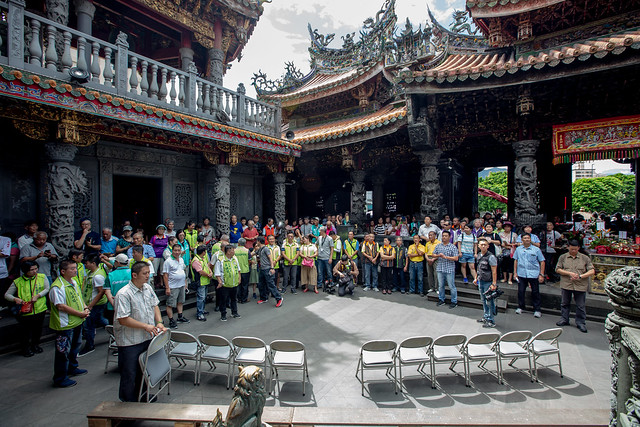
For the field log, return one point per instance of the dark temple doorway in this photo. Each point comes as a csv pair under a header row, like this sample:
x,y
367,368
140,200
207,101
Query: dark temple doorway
x,y
139,200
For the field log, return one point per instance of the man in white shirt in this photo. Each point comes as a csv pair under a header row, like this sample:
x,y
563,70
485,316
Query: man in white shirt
x,y
173,272
425,228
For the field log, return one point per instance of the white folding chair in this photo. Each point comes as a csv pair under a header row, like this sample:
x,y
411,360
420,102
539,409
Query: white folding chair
x,y
185,346
156,369
513,345
447,349
291,355
251,351
480,348
215,348
414,351
112,348
378,355
545,343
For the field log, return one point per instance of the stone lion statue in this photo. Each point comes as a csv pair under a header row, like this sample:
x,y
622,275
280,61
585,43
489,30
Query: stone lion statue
x,y
248,400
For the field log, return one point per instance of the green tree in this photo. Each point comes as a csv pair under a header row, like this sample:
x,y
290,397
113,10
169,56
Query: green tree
x,y
602,194
495,181
627,196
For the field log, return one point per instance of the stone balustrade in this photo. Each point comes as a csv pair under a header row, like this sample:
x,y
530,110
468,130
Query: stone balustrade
x,y
32,43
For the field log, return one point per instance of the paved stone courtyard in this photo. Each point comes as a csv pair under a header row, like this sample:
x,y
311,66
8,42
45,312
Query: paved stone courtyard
x,y
333,329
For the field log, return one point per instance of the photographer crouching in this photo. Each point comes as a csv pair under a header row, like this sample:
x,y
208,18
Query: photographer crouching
x,y
346,273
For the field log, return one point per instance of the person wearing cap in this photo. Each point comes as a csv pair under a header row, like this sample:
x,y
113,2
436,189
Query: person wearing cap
x,y
108,242
116,279
126,241
574,269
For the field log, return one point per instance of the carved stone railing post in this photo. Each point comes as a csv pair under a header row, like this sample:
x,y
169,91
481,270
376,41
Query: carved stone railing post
x,y
623,288
122,64
223,194
63,181
241,104
358,197
431,192
15,33
280,196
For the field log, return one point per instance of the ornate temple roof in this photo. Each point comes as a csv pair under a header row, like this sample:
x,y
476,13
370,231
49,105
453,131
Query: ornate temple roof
x,y
351,126
496,8
460,67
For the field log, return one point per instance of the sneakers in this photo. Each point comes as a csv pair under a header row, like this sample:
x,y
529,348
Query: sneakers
x,y
223,318
279,303
86,350
376,289
440,303
366,288
465,280
262,301
65,383
489,325
173,324
537,314
293,291
402,291
183,319
482,320
201,318
77,372
518,310
453,305
236,316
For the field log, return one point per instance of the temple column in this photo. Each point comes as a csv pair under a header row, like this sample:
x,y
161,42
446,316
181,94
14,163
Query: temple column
x,y
215,55
63,181
358,197
378,196
186,52
525,183
431,192
622,328
280,196
222,196
85,11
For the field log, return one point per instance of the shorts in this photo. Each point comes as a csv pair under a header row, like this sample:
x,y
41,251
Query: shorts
x,y
176,297
467,259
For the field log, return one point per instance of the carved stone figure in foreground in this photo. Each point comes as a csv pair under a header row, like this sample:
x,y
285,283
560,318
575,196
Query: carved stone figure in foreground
x,y
248,401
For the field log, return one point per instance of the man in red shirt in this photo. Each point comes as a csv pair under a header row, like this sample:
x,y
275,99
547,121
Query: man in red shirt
x,y
250,234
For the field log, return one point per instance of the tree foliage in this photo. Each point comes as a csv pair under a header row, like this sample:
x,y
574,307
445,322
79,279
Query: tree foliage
x,y
609,194
495,181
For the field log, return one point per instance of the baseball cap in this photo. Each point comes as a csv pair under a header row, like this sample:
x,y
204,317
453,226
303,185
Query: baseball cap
x,y
122,258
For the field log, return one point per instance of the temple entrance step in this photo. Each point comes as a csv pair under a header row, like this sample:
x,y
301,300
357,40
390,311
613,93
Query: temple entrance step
x,y
466,299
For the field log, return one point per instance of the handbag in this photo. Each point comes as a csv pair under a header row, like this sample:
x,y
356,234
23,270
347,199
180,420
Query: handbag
x,y
307,262
26,307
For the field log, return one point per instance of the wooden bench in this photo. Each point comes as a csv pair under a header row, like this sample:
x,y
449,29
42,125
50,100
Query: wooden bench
x,y
107,414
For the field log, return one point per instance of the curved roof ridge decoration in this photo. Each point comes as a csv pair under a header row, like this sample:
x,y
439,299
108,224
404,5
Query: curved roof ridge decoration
x,y
499,8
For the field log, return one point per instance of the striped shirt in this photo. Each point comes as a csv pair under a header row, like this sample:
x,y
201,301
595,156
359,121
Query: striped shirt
x,y
138,304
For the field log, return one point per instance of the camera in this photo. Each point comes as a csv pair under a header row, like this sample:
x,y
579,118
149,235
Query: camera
x,y
493,294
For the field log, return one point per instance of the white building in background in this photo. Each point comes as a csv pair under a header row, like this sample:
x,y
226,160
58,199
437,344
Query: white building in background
x,y
583,170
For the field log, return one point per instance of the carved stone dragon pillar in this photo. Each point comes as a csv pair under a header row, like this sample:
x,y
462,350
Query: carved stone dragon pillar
x,y
622,327
223,194
431,192
216,65
358,197
525,183
280,196
63,181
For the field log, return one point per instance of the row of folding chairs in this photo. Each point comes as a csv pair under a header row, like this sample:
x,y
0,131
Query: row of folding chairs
x,y
211,349
455,348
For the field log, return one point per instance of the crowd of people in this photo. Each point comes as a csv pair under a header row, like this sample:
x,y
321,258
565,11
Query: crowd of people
x,y
115,280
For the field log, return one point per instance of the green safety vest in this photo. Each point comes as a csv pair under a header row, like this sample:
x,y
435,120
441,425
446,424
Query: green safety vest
x,y
27,288
82,274
350,246
290,252
272,249
230,272
336,255
242,254
118,279
192,239
204,280
73,299
87,289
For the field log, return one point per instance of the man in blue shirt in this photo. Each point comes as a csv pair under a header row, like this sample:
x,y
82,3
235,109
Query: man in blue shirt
x,y
235,230
138,240
528,271
108,242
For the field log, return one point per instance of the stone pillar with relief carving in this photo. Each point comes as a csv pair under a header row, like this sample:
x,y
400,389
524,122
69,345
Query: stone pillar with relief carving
x,y
622,328
216,65
525,183
223,194
63,181
280,196
358,198
431,192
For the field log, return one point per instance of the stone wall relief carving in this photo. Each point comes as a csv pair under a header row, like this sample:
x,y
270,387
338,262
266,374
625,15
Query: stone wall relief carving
x,y
183,200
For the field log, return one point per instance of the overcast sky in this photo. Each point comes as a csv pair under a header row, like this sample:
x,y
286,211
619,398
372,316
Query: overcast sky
x,y
281,35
